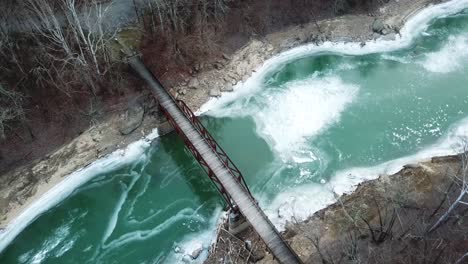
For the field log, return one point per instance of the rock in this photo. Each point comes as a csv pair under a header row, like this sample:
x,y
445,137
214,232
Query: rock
x,y
186,259
268,258
193,83
378,25
362,44
241,68
177,249
201,66
226,57
346,39
322,38
232,75
375,36
132,119
165,128
385,31
218,65
182,91
227,88
391,36
257,256
412,166
248,245
453,158
215,92
101,150
196,250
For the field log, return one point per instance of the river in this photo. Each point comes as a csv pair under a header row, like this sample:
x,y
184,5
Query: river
x,y
312,123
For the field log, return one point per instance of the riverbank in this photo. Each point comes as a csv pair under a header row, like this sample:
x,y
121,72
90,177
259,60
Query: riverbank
x,y
22,187
232,71
386,220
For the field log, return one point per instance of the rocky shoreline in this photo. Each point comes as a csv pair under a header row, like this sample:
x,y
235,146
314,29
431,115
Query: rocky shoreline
x,y
225,74
385,220
21,187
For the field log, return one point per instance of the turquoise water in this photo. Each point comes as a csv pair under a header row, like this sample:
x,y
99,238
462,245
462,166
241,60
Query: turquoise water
x,y
300,134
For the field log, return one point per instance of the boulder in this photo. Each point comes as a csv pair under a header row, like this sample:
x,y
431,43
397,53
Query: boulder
x,y
227,88
218,65
375,36
187,259
412,166
391,36
198,67
341,7
177,249
226,57
248,245
378,25
257,255
196,250
215,92
242,68
232,75
132,119
193,83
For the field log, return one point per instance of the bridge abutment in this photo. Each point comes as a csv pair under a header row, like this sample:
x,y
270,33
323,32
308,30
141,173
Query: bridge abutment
x,y
237,222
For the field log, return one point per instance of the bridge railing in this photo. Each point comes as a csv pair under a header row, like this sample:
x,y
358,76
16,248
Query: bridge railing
x,y
232,168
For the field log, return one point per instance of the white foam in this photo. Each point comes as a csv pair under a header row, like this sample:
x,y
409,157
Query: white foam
x,y
301,111
450,57
403,60
301,202
415,26
189,243
297,204
62,190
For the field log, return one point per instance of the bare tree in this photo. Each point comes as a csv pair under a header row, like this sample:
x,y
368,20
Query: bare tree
x,y
462,258
462,179
11,108
74,41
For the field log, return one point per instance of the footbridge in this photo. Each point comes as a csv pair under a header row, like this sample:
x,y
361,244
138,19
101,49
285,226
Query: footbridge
x,y
216,163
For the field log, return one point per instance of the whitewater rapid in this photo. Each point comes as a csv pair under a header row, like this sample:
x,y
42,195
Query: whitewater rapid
x,y
414,27
283,119
287,139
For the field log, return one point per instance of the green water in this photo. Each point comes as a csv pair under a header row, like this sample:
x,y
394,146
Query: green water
x,y
309,120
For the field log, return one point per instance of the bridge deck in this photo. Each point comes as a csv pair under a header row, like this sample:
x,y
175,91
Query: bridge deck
x,y
238,193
